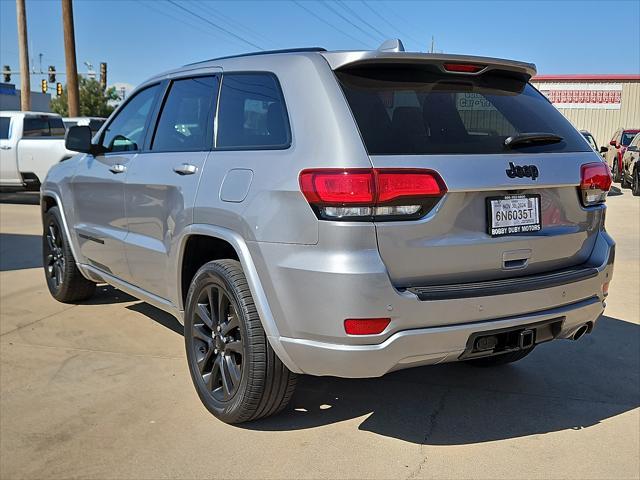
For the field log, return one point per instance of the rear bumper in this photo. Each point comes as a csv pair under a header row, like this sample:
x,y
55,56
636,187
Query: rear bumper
x,y
425,346
311,290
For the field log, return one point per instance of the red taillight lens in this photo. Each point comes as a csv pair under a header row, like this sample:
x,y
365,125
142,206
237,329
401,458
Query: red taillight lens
x,y
365,326
463,67
595,182
329,187
371,194
398,184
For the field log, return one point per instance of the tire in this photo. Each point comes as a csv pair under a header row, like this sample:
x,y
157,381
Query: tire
x,y
235,371
616,171
503,359
624,182
635,181
65,282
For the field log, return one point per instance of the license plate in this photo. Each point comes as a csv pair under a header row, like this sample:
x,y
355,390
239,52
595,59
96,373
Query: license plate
x,y
513,214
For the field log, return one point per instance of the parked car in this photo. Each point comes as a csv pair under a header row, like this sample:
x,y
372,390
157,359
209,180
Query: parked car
x,y
94,123
336,213
591,139
617,146
30,144
631,167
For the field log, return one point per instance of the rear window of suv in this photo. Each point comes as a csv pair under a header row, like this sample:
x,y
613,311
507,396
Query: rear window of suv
x,y
413,110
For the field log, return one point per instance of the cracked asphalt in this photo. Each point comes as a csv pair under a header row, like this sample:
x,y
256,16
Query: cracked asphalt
x,y
101,390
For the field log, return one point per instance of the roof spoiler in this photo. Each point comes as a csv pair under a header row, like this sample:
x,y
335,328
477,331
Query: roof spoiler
x,y
392,51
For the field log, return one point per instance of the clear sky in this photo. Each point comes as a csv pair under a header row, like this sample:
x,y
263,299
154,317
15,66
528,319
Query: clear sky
x,y
138,38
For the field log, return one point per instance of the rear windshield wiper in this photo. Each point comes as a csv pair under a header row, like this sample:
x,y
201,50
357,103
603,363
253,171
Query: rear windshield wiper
x,y
526,139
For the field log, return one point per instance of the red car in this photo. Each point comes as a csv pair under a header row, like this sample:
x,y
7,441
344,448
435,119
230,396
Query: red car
x,y
615,151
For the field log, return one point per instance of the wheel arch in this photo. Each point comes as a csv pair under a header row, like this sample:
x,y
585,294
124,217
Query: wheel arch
x,y
225,238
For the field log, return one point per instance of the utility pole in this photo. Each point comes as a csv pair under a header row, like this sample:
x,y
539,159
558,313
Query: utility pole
x,y
25,80
73,95
433,41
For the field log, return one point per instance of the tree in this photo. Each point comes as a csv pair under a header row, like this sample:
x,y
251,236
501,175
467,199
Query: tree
x,y
94,102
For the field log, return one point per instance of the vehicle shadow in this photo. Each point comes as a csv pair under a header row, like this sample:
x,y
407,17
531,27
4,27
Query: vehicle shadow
x,y
19,251
562,385
615,191
159,316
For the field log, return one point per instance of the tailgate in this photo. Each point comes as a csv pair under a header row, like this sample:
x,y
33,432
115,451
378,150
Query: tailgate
x,y
490,135
452,243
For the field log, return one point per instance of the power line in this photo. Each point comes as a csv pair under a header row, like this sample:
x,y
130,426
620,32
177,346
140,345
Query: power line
x,y
330,8
355,14
231,22
228,32
317,17
166,14
396,29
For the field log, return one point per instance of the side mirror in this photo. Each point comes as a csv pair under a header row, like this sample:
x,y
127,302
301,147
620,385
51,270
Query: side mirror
x,y
604,149
78,139
612,143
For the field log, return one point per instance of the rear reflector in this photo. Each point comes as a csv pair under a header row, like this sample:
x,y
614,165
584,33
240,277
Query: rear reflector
x,y
463,67
365,326
595,182
371,194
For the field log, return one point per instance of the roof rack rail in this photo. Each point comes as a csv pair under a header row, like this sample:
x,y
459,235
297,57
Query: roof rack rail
x,y
263,52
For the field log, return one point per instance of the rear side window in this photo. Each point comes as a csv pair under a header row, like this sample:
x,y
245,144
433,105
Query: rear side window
x,y
252,113
4,127
186,121
43,127
412,110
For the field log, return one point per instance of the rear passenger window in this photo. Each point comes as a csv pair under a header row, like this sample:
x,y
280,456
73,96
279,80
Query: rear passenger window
x,y
252,114
186,121
43,127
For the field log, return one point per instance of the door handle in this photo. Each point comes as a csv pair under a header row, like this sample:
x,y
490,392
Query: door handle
x,y
185,169
117,168
5,147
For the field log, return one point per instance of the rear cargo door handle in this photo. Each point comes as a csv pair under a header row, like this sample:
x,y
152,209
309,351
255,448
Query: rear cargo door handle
x,y
185,169
117,168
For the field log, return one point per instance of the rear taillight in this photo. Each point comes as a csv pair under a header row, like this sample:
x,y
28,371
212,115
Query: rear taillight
x,y
371,194
463,67
595,182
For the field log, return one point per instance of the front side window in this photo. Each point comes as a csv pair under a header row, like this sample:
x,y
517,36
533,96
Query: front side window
x,y
5,122
252,113
126,131
417,110
186,120
43,127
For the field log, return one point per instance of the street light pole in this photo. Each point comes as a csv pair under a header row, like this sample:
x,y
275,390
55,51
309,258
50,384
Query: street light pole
x,y
25,80
73,95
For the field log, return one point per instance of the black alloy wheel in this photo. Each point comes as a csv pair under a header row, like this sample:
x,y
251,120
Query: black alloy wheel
x,y
54,254
217,344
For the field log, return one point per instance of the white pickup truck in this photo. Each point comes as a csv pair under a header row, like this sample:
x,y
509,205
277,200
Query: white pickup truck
x,y
30,144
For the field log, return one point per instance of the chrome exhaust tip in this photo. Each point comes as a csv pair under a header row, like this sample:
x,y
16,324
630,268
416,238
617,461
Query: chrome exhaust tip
x,y
580,332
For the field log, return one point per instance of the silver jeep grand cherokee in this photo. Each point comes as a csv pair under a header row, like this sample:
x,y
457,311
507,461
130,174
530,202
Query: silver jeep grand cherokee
x,y
336,213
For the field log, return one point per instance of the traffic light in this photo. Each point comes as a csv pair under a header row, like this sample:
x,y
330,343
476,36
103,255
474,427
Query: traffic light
x,y
58,89
6,71
44,86
52,74
103,75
